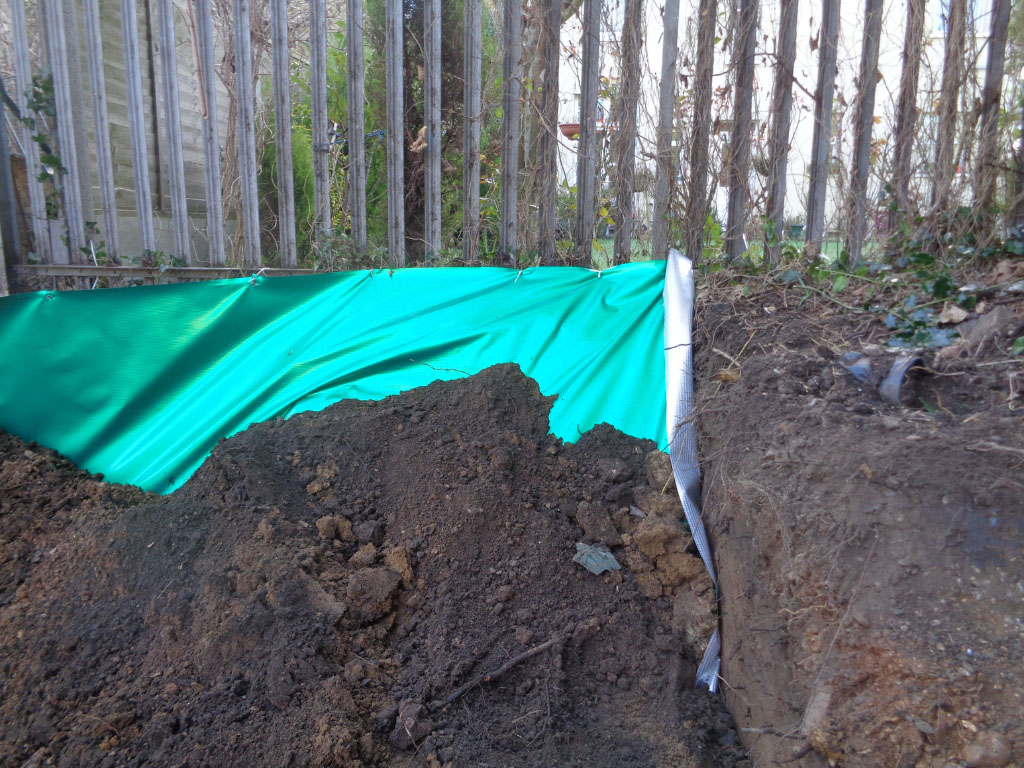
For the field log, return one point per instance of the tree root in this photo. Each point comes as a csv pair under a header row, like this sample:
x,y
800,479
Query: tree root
x,y
495,674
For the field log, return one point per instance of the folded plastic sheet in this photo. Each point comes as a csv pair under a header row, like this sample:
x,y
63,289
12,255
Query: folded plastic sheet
x,y
140,383
679,380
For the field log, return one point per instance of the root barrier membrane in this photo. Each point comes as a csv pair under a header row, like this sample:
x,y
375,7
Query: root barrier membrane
x,y
140,383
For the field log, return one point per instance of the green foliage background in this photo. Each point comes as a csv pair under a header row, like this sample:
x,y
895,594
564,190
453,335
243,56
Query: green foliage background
x,y
335,251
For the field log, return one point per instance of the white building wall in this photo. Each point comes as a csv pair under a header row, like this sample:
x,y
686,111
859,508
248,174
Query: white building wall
x,y
849,49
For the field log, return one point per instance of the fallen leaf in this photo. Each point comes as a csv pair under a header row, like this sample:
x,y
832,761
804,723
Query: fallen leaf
x,y
952,314
1009,269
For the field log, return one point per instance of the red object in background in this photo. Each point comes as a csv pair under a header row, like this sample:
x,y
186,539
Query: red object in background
x,y
570,130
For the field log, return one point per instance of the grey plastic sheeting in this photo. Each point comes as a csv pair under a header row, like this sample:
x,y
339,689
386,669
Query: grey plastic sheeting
x,y
678,301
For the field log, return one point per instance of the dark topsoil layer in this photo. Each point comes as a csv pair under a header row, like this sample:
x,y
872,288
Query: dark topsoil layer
x,y
872,581
322,586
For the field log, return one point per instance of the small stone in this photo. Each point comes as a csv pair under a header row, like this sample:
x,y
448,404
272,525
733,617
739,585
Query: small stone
x,y
326,474
505,593
677,568
584,631
596,523
327,527
321,601
385,719
921,725
659,537
649,585
956,351
524,636
988,326
988,750
265,530
371,531
366,746
952,314
354,671
659,471
400,560
638,563
693,614
345,529
364,557
613,470
338,694
371,590
501,460
412,725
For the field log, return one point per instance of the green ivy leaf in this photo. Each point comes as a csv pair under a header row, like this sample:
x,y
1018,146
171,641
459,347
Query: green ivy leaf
x,y
967,300
788,276
840,283
941,287
53,161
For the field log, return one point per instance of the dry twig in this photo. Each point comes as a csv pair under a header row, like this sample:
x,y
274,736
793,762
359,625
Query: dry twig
x,y
794,734
495,674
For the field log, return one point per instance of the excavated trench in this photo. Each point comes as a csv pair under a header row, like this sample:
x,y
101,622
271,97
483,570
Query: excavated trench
x,y
868,554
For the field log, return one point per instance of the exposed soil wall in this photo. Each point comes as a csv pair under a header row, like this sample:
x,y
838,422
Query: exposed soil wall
x,y
869,554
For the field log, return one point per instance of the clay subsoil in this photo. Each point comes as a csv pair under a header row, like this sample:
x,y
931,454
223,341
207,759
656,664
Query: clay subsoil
x,y
872,583
377,584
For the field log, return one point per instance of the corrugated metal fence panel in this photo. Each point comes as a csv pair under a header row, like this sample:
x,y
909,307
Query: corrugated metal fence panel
x,y
191,118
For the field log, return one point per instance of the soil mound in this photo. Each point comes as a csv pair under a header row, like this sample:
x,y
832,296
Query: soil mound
x,y
377,584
